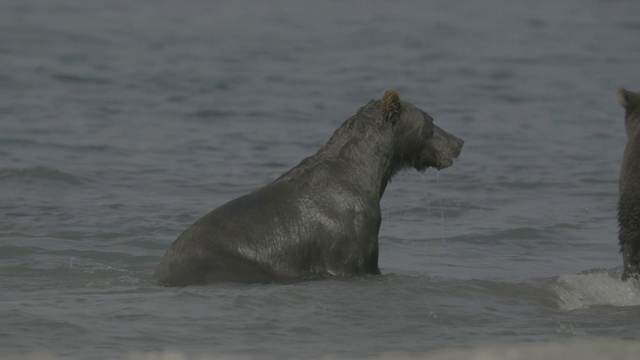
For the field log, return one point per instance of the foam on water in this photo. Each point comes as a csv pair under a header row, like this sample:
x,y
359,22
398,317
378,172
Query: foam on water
x,y
601,349
580,291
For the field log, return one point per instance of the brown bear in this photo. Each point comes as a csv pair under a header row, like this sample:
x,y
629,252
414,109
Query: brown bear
x,y
629,201
320,218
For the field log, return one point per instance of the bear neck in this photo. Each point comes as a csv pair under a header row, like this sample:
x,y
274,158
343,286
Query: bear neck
x,y
362,151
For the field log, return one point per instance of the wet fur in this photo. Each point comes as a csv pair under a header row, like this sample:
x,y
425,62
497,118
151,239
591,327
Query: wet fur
x,y
629,200
322,217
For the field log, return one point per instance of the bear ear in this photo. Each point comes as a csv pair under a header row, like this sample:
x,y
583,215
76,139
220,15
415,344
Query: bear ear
x,y
390,103
628,99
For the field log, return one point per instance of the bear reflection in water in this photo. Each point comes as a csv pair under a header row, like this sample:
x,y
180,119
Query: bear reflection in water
x,y
322,217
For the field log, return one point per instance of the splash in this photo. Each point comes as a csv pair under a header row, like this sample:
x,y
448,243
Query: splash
x,y
580,291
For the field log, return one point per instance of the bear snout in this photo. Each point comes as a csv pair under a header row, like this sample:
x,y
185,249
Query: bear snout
x,y
447,147
447,143
439,153
458,146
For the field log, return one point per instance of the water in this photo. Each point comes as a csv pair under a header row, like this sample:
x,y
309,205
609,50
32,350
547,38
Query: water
x,y
123,122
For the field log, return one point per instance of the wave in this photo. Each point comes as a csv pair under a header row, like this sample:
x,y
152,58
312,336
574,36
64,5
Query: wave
x,y
593,349
40,173
80,79
597,287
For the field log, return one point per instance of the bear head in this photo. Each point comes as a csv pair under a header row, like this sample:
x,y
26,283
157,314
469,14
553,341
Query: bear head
x,y
419,143
630,101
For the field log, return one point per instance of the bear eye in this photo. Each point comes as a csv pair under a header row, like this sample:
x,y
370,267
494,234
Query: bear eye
x,y
427,130
428,119
427,127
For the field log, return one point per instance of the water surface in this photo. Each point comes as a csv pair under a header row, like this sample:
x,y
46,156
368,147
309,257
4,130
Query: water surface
x,y
122,123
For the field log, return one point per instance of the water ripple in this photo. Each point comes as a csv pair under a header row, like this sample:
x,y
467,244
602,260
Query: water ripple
x,y
40,173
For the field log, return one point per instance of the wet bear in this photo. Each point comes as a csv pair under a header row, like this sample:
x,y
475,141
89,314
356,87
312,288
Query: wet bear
x,y
629,201
320,218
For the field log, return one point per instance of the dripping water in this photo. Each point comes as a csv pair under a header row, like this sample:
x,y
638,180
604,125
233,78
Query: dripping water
x,y
424,185
439,202
440,206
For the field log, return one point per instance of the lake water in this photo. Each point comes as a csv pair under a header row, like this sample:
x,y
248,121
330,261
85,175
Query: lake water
x,y
123,122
